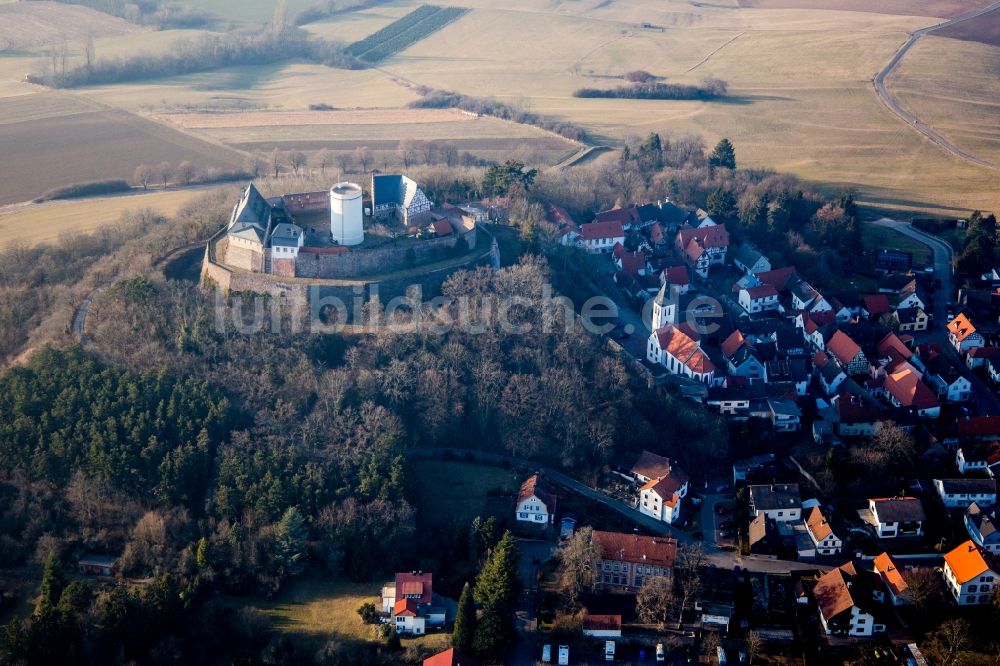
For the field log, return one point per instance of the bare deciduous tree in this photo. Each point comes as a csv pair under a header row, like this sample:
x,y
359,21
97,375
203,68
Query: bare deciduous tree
x,y
297,160
655,600
363,156
142,175
754,643
578,566
323,159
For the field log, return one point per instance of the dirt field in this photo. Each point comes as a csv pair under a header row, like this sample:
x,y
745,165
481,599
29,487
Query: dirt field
x,y
40,223
938,8
985,29
56,140
311,118
28,24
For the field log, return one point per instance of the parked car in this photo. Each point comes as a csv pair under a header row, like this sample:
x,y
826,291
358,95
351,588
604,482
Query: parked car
x,y
661,654
727,525
563,655
547,653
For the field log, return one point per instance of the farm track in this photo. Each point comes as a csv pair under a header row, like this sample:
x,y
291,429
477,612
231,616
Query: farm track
x,y
714,51
893,104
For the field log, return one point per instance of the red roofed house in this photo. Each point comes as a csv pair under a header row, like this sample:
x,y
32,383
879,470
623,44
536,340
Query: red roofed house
x,y
631,263
970,574
703,247
627,560
978,356
875,306
598,237
407,619
846,603
627,217
676,349
535,503
568,230
416,586
410,601
848,353
451,657
891,574
759,299
963,336
905,389
664,486
821,533
779,278
676,277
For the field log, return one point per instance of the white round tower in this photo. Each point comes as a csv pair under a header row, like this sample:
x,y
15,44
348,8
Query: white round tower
x,y
346,216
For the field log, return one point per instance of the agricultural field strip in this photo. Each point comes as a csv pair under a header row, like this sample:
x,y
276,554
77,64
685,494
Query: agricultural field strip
x,y
405,32
306,118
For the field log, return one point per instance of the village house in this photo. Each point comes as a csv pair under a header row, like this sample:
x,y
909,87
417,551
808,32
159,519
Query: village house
x,y
741,358
749,259
906,390
813,325
963,336
627,560
535,502
977,457
629,218
788,371
978,356
784,414
411,603
848,353
897,592
829,372
911,320
856,415
703,247
675,278
598,237
969,575
631,263
847,606
97,565
960,493
780,502
911,296
663,486
949,382
821,533
894,517
759,299
983,528
875,306
567,229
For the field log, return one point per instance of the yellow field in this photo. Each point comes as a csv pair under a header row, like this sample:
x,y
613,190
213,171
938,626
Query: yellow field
x,y
964,108
40,223
352,26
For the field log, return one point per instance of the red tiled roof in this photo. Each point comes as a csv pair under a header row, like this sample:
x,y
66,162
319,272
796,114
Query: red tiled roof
x,y
890,573
676,275
979,426
984,352
841,346
811,321
961,327
778,277
621,547
732,343
651,465
620,215
892,343
817,524
853,409
598,230
442,227
907,388
415,584
632,262
405,607
876,305
682,346
833,595
533,486
712,236
451,657
966,562
764,291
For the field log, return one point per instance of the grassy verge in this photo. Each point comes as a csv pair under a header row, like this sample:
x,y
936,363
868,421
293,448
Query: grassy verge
x,y
881,238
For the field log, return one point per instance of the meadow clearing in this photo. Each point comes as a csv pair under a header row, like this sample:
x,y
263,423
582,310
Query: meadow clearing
x,y
42,223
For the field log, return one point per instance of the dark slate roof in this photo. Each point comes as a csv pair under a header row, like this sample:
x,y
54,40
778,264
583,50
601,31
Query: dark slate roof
x,y
388,188
899,509
775,496
982,521
286,235
968,486
251,216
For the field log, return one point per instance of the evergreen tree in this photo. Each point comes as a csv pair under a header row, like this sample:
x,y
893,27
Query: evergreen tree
x,y
724,155
464,633
290,542
496,591
51,588
720,202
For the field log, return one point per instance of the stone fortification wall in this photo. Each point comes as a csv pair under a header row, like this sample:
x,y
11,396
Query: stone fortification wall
x,y
371,263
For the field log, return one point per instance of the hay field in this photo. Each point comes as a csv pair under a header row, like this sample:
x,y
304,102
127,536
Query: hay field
x,y
30,24
247,11
379,130
800,85
57,139
939,8
351,26
47,222
964,108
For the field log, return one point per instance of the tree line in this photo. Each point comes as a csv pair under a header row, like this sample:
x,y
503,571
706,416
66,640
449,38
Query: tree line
x,y
709,89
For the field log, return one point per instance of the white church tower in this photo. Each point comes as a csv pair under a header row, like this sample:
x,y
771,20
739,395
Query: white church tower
x,y
346,214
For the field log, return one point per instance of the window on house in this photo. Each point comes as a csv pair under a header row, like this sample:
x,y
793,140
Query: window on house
x,y
973,588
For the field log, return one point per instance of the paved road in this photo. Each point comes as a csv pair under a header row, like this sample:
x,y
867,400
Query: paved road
x,y
909,118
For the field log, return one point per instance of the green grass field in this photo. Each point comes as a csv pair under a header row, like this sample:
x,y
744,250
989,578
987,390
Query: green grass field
x,y
879,238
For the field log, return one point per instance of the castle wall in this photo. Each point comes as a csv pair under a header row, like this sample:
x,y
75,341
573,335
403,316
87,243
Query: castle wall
x,y
242,257
369,263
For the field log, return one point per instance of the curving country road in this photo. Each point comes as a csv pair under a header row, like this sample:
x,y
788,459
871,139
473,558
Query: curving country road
x,y
909,118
